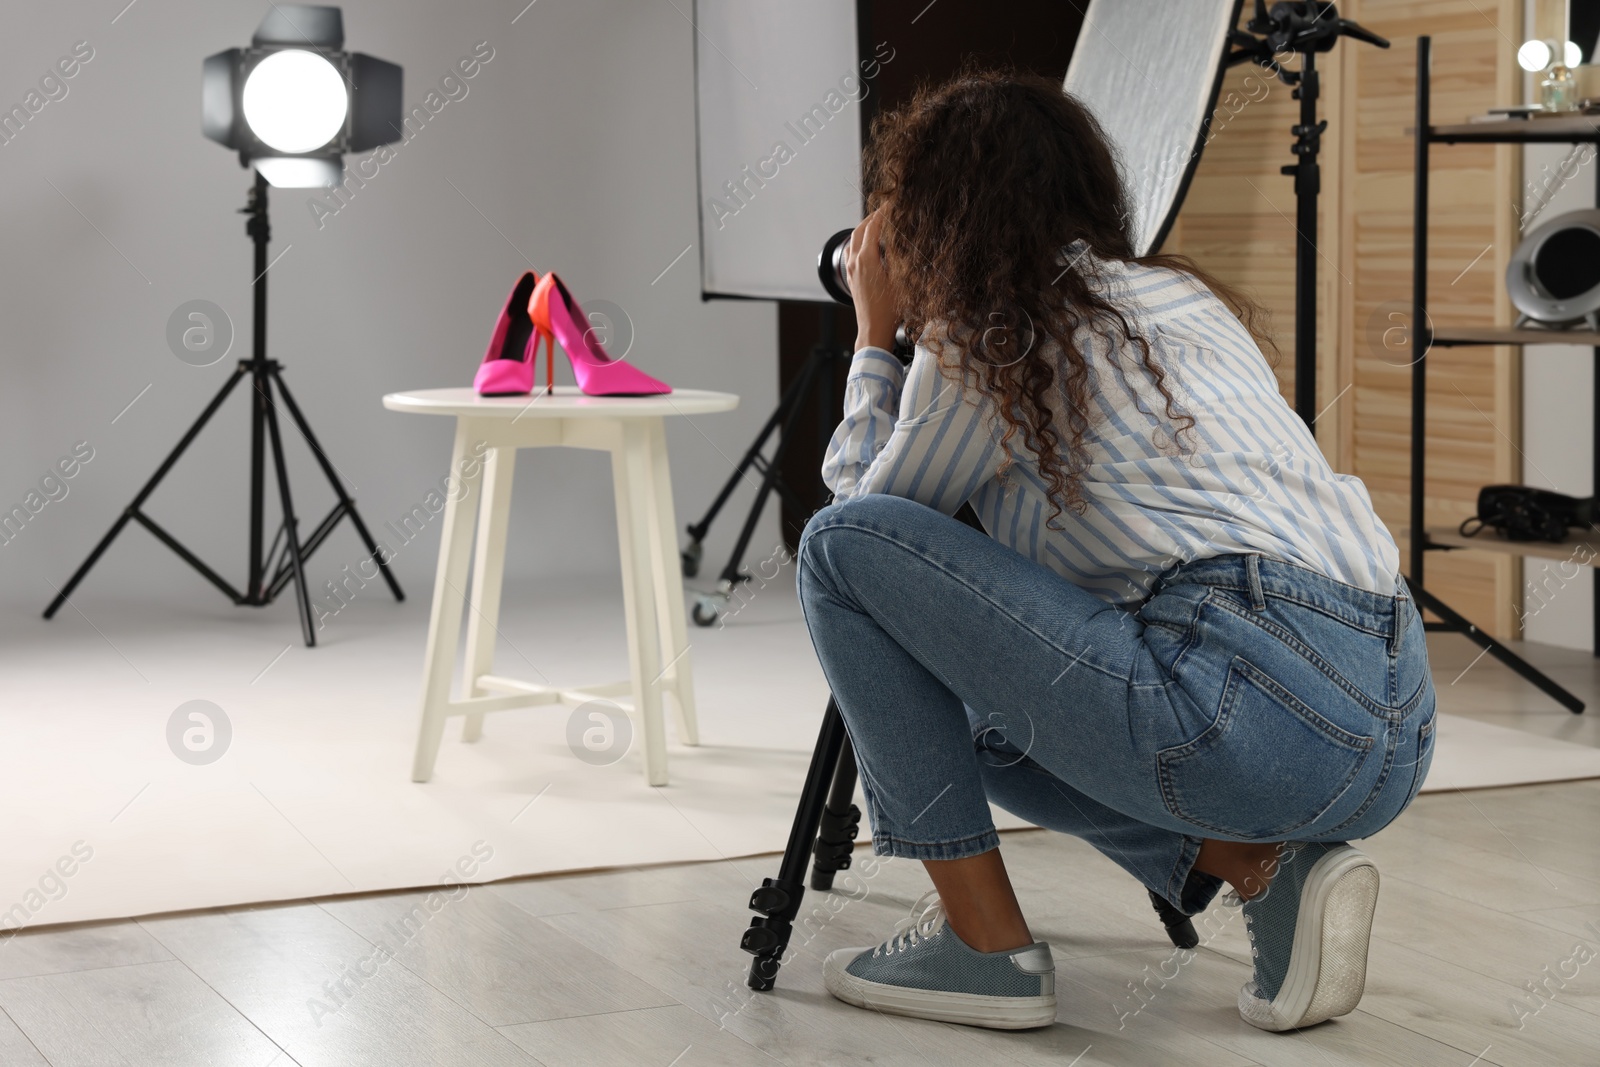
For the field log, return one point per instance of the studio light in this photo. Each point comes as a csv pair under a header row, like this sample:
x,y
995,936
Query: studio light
x,y
294,102
291,105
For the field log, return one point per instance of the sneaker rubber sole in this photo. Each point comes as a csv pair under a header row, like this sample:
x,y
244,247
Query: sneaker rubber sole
x,y
969,1009
1328,962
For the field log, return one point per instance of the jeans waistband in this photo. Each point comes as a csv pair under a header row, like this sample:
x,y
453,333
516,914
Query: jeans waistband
x,y
1358,607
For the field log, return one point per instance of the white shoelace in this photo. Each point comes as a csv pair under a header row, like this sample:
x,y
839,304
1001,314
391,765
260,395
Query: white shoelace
x,y
924,921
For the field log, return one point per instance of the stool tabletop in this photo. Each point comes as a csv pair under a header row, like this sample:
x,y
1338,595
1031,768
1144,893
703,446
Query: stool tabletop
x,y
566,403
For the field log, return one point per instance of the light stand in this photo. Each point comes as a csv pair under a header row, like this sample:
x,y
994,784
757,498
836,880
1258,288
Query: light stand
x,y
814,380
1306,28
291,105
260,590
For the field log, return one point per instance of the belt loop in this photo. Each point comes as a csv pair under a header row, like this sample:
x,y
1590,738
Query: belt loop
x,y
1397,627
1252,571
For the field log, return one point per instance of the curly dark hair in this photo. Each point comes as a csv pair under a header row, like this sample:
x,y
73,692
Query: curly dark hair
x,y
984,181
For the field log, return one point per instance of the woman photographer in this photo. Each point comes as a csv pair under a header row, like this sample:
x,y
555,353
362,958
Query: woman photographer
x,y
1184,638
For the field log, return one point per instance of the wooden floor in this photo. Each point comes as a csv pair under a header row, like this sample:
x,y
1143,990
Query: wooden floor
x,y
1485,895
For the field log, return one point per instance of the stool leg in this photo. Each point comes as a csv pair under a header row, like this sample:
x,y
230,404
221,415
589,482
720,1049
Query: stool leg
x,y
488,568
631,477
444,627
668,571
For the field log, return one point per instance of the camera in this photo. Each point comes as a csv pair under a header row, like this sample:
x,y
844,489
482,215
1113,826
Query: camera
x,y
836,282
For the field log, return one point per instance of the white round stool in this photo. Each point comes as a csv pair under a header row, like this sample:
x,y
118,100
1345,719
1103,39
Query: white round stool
x,y
489,430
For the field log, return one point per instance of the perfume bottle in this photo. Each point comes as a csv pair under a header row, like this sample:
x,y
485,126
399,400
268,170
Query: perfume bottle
x,y
1559,89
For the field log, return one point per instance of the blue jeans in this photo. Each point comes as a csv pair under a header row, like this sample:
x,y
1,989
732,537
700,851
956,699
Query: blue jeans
x,y
1246,700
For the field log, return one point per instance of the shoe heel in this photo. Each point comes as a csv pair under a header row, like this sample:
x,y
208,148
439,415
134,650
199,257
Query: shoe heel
x,y
557,315
1346,941
549,341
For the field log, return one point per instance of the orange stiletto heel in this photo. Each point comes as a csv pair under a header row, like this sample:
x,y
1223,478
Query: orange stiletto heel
x,y
557,317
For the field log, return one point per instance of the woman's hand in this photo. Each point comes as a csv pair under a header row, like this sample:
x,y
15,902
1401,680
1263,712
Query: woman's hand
x,y
876,315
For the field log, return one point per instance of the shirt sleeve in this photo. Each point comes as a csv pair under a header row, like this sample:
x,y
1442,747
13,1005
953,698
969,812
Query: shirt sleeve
x,y
911,432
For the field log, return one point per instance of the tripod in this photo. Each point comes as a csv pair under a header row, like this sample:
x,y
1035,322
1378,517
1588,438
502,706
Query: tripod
x,y
266,579
823,834
1305,28
815,379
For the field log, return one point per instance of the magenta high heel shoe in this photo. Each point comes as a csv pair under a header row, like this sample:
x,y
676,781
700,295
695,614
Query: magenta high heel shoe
x,y
557,316
513,354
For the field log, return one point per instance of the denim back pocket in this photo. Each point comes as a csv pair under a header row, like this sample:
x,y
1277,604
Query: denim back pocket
x,y
1266,766
1424,758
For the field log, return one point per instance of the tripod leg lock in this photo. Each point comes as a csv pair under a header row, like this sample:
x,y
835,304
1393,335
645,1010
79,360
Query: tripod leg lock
x,y
836,839
778,903
773,898
766,937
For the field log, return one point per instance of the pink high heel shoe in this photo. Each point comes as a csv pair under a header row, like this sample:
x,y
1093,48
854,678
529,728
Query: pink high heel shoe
x,y
513,354
557,317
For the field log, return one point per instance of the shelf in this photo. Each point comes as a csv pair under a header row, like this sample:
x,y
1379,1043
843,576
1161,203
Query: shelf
x,y
1580,550
1572,130
1450,336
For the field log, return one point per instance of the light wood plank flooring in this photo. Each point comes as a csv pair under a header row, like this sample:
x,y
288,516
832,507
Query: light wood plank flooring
x,y
1484,896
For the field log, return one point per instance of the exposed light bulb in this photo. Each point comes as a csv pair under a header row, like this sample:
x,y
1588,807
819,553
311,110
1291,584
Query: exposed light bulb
x,y
295,101
1535,56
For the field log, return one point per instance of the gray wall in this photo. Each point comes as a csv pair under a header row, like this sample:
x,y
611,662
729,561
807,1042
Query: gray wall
x,y
576,142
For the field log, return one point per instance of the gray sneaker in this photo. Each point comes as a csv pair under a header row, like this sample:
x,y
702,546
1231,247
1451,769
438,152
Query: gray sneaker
x,y
1309,934
926,971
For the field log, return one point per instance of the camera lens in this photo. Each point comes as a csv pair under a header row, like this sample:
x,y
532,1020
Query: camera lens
x,y
831,270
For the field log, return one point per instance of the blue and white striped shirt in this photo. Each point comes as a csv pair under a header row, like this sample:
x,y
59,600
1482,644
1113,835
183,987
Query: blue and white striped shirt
x,y
1249,477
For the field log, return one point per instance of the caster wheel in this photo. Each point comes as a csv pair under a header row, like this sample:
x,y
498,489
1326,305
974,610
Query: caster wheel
x,y
691,559
705,611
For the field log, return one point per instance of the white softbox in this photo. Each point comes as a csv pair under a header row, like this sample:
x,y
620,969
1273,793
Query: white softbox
x,y
778,86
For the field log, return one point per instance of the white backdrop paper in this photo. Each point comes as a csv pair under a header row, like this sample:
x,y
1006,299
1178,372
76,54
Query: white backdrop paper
x,y
778,86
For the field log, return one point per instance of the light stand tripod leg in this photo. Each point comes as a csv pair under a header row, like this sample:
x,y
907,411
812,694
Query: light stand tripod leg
x,y
771,471
149,487
788,403
698,530
813,380
291,534
1458,623
778,899
349,505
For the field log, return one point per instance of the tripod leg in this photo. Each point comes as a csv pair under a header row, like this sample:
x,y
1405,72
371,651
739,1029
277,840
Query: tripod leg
x,y
781,416
1459,623
1180,928
149,487
772,472
836,836
338,485
731,574
800,507
777,902
291,535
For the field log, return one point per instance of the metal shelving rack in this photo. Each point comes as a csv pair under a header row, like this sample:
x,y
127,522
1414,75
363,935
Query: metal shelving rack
x,y
1574,130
